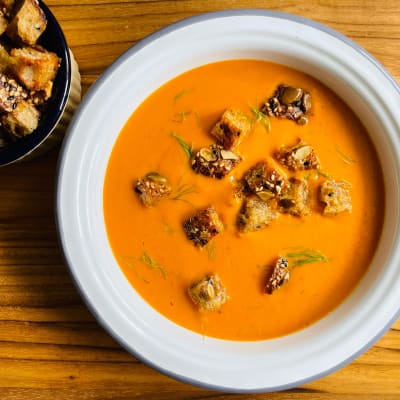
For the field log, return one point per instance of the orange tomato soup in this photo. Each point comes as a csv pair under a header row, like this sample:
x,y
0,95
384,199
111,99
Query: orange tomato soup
x,y
190,105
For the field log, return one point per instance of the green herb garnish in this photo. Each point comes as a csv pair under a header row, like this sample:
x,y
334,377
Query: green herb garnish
x,y
301,256
211,250
183,190
262,118
182,93
324,174
187,149
180,117
145,258
345,158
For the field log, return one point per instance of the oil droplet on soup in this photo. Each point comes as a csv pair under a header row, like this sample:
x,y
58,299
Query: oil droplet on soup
x,y
329,253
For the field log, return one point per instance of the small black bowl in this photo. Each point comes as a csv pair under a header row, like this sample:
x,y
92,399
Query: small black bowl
x,y
46,135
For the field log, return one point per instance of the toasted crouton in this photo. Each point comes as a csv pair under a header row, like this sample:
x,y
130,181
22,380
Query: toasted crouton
x,y
22,121
34,67
201,227
280,274
28,22
231,128
3,22
11,93
208,294
294,200
336,196
152,188
255,214
299,157
5,59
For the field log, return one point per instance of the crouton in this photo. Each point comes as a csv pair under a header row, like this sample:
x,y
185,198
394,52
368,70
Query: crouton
x,y
203,226
336,196
214,161
28,22
6,7
264,180
255,214
35,67
152,188
11,93
300,157
22,121
5,59
280,274
3,23
208,294
231,128
289,102
294,200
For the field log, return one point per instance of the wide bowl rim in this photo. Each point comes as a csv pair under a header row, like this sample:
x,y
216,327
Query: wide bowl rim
x,y
25,146
92,92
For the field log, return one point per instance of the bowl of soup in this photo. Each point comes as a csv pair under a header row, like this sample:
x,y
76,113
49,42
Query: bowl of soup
x,y
228,200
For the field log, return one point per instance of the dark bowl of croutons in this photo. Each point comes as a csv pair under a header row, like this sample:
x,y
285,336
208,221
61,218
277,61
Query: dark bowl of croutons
x,y
39,80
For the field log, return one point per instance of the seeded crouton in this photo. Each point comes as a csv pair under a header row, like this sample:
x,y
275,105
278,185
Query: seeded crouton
x,y
208,294
336,196
35,67
255,214
298,158
294,200
11,93
214,161
28,22
289,102
231,128
6,7
280,274
22,121
265,180
203,226
152,188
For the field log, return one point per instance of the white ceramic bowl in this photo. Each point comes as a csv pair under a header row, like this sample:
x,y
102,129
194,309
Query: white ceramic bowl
x,y
220,364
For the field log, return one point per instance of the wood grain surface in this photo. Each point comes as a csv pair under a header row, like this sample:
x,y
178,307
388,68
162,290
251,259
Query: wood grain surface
x,y
50,345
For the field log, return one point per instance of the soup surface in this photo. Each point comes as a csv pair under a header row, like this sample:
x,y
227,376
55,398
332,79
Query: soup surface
x,y
150,243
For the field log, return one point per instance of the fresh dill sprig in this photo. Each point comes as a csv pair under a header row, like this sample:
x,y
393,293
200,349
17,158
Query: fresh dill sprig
x,y
211,250
262,118
188,149
323,174
345,158
182,93
302,255
180,117
183,190
145,258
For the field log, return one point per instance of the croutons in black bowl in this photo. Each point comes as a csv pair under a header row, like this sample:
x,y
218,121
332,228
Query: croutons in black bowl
x,y
39,80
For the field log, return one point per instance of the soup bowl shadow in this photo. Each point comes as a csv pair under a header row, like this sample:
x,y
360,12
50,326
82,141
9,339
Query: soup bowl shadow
x,y
257,366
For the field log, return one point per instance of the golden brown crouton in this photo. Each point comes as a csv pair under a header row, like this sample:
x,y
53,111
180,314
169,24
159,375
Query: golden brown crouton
x,y
5,59
294,200
255,214
152,188
11,93
22,121
231,128
214,161
203,226
289,102
298,158
280,274
35,67
28,22
264,180
208,294
336,196
3,23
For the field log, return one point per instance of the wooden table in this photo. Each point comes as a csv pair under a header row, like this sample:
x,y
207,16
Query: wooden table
x,y
50,345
